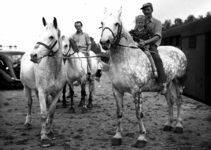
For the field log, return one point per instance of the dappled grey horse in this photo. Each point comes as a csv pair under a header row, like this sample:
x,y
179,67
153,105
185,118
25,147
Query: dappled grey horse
x,y
131,71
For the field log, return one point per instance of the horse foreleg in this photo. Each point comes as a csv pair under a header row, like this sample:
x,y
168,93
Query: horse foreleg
x,y
71,109
27,92
45,141
91,90
51,113
141,141
170,101
83,98
117,139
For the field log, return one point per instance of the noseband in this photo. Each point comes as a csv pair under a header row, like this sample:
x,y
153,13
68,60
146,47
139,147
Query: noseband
x,y
50,48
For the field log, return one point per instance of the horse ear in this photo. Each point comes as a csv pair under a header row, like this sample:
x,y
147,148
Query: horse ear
x,y
63,37
106,10
120,12
73,45
44,22
55,22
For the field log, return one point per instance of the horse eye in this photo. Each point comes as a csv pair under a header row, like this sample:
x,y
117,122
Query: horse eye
x,y
51,37
65,46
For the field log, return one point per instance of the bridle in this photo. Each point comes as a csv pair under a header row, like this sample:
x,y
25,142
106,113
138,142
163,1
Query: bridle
x,y
67,55
50,48
118,37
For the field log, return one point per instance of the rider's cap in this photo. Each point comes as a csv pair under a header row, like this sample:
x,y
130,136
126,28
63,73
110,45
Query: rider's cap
x,y
146,5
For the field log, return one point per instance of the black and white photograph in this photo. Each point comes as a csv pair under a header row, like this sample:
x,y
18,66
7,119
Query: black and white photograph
x,y
105,75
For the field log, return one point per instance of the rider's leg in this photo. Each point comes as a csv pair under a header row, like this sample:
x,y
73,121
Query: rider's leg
x,y
154,69
159,66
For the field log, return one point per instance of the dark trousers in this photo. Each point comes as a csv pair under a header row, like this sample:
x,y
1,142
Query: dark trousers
x,y
158,63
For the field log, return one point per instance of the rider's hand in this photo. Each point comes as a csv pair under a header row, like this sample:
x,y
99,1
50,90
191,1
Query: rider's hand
x,y
141,43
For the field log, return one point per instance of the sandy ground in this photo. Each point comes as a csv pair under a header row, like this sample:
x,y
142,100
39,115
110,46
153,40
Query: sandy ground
x,y
95,129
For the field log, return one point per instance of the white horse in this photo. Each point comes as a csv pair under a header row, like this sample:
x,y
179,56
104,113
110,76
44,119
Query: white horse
x,y
76,70
43,71
131,72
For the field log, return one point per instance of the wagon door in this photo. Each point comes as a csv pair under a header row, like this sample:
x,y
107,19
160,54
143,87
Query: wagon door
x,y
208,67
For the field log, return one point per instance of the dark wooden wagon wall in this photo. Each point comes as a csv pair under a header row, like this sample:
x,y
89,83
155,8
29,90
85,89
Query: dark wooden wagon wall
x,y
194,39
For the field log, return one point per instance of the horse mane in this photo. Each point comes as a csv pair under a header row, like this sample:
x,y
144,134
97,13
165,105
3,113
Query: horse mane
x,y
126,34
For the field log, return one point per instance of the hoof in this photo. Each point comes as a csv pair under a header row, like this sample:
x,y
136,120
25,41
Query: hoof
x,y
178,130
45,143
28,126
71,110
167,128
51,135
84,110
140,144
116,142
80,104
90,105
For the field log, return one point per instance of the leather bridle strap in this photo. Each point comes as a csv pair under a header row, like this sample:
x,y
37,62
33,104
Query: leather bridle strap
x,y
52,53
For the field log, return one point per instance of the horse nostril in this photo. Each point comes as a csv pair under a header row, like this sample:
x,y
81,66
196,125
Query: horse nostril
x,y
33,56
108,41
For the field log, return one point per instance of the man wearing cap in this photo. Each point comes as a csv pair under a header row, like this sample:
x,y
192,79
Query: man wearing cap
x,y
154,42
83,42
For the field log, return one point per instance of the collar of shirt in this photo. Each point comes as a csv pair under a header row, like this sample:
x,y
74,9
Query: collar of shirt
x,y
79,33
150,20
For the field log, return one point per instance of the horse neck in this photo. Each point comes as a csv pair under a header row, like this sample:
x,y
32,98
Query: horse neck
x,y
121,53
55,63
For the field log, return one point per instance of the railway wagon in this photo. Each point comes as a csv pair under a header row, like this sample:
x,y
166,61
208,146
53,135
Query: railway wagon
x,y
194,39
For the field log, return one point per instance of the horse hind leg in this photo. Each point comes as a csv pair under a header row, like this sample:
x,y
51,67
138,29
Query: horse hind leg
x,y
117,139
71,109
179,90
27,92
170,102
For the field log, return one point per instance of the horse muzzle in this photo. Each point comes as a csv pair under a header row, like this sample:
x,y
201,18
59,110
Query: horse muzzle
x,y
34,58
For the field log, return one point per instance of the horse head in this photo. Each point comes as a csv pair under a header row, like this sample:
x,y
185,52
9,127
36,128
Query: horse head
x,y
49,42
111,29
68,47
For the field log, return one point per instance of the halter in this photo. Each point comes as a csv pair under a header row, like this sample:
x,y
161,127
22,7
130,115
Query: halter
x,y
52,53
118,37
68,54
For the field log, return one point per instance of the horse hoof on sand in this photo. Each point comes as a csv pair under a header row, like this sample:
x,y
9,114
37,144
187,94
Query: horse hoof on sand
x,y
140,144
89,105
178,130
71,110
167,128
51,135
45,143
28,126
116,142
84,110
